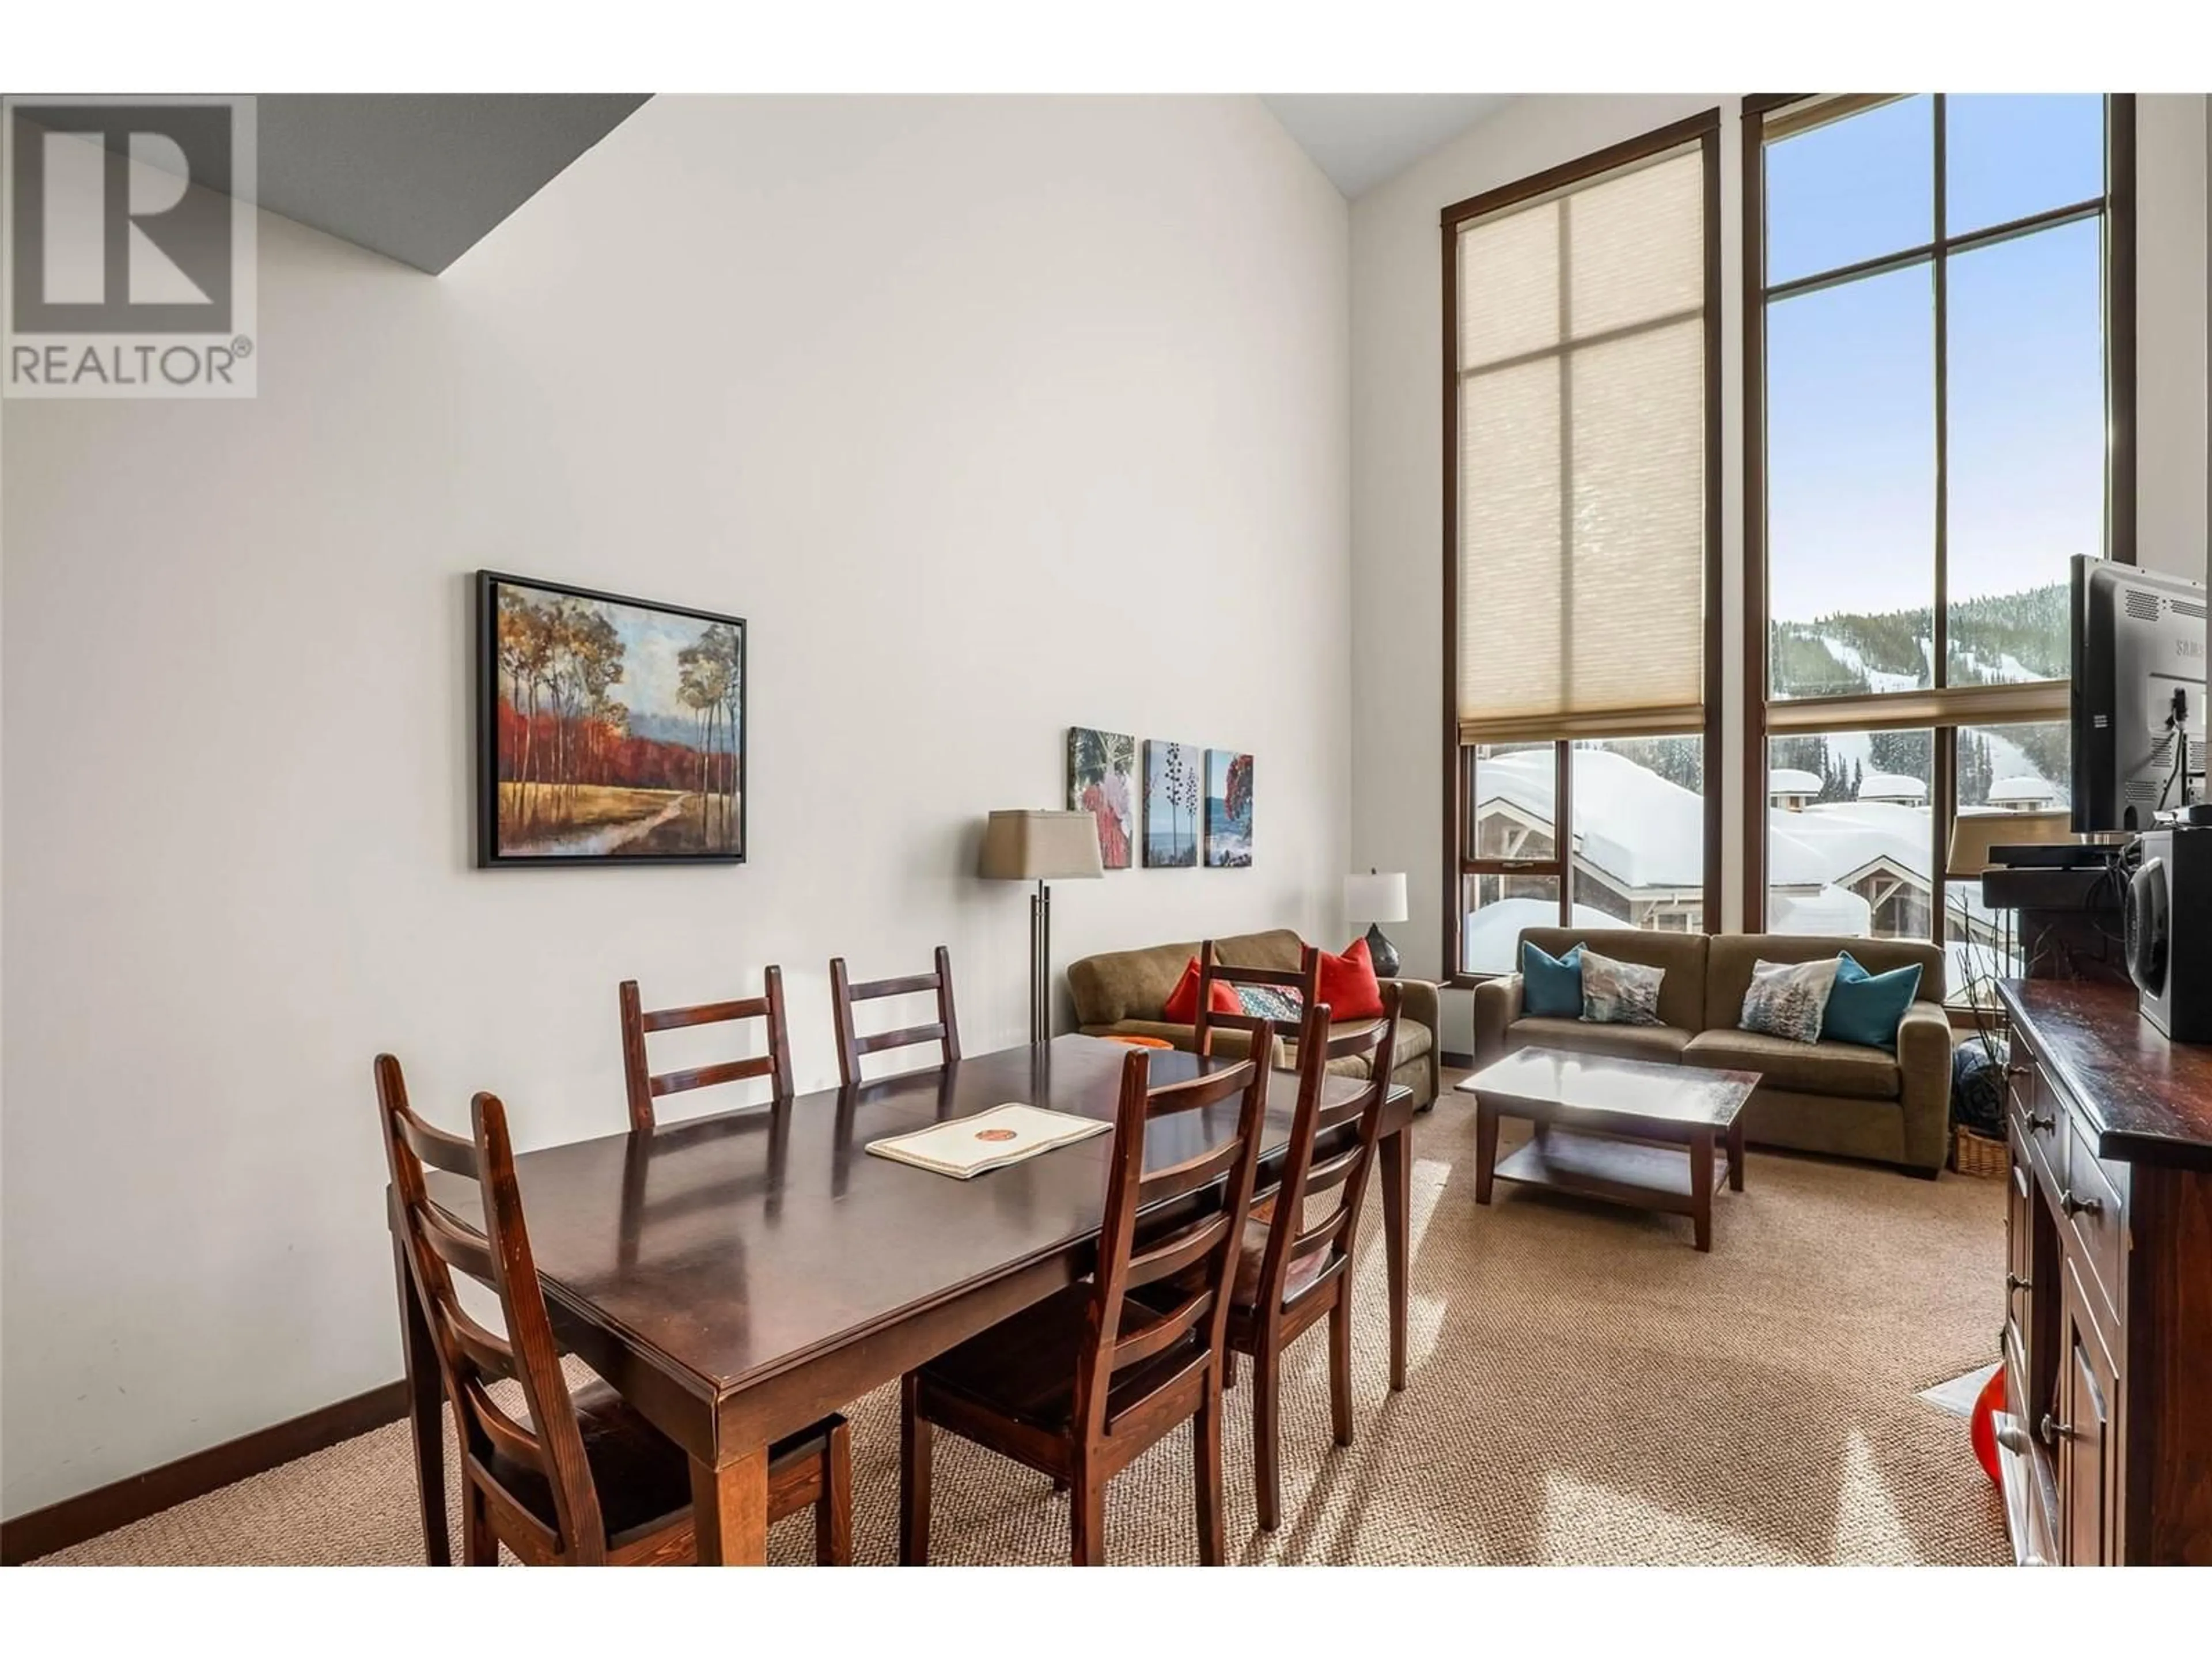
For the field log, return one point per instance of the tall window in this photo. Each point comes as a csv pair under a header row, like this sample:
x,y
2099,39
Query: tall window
x,y
1939,374
1582,519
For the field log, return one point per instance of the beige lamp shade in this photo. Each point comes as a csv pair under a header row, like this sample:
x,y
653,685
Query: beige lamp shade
x,y
1972,834
1373,897
1040,847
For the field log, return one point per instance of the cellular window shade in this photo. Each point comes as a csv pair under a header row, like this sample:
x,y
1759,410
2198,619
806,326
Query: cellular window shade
x,y
1582,460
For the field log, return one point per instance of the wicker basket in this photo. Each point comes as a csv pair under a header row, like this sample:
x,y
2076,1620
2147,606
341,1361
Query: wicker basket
x,y
1978,1154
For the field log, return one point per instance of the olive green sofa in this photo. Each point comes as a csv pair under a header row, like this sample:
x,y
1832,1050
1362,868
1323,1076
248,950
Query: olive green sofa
x,y
1836,1097
1122,994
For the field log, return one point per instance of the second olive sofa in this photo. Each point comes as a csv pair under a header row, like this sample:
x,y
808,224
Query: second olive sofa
x,y
1826,1096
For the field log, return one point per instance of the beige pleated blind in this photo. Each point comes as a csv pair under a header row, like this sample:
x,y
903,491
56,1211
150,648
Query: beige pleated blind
x,y
1582,459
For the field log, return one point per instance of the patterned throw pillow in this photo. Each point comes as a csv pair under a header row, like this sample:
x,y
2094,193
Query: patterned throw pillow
x,y
1619,992
1279,1003
1789,999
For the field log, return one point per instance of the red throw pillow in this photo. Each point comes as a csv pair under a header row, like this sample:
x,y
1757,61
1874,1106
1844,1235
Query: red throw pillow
x,y
1348,984
1182,1006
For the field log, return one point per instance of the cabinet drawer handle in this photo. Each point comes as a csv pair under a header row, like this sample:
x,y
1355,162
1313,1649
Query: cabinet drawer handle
x,y
2074,1206
2041,1125
2015,1284
2052,1430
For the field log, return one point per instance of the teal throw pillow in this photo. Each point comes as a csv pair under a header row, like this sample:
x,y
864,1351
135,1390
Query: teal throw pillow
x,y
1867,1008
1551,987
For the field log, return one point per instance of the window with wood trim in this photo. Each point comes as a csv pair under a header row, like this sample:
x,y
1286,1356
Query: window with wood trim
x,y
1939,388
1582,519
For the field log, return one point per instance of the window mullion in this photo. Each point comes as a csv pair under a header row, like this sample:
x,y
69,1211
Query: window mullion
x,y
1940,667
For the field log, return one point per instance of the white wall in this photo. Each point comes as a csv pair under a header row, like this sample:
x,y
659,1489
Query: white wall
x,y
1397,466
991,416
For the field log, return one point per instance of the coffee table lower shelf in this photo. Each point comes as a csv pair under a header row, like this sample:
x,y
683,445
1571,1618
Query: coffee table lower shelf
x,y
1631,1172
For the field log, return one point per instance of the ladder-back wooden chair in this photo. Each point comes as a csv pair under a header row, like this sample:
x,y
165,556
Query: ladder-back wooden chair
x,y
852,1047
1302,984
583,1479
1292,1269
637,1021
1078,1385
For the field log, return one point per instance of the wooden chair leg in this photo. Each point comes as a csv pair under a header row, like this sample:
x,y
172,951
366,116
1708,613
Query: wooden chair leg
x,y
1267,1461
913,1478
1339,1366
1205,1440
1229,1367
479,1543
1086,1519
833,1511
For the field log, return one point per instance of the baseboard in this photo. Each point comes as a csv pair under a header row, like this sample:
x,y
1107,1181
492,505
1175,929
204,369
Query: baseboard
x,y
89,1514
1464,1062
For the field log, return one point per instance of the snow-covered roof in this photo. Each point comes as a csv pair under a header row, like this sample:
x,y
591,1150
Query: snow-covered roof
x,y
1890,786
1829,841
1789,780
2021,791
1493,931
1831,910
1638,828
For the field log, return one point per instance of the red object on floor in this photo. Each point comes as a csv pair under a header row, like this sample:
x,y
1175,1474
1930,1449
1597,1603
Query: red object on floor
x,y
1984,1430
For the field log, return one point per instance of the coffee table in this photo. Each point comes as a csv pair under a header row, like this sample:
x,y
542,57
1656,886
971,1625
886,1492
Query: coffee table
x,y
1633,1132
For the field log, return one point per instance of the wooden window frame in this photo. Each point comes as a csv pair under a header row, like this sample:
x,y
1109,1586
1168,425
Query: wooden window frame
x,y
1704,131
1944,708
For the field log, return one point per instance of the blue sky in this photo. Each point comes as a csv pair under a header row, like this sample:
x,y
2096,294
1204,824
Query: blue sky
x,y
1850,377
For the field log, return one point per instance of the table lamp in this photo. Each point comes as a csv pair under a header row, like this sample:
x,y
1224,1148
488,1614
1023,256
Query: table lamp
x,y
1042,848
1380,898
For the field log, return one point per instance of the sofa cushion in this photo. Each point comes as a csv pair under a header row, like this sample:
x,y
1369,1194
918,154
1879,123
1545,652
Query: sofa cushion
x,y
1788,998
1728,972
1681,993
1551,987
1348,985
1811,1068
1867,1008
1414,1041
1135,984
1660,1042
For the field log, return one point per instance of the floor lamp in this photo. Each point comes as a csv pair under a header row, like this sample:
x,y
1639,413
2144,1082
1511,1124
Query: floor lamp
x,y
1042,848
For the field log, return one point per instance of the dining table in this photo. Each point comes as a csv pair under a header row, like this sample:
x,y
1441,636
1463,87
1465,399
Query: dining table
x,y
736,1277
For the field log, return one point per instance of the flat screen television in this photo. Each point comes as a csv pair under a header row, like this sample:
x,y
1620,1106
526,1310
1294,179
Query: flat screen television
x,y
2138,697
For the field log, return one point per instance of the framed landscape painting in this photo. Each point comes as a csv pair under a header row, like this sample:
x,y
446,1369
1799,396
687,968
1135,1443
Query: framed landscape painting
x,y
1228,809
1172,804
1102,770
609,730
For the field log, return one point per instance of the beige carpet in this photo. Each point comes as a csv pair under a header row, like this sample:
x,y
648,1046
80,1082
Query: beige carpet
x,y
1585,1387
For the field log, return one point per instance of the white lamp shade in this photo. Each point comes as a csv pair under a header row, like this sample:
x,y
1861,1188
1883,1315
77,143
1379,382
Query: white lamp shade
x,y
1040,847
1373,897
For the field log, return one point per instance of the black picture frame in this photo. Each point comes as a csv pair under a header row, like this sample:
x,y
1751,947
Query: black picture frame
x,y
485,676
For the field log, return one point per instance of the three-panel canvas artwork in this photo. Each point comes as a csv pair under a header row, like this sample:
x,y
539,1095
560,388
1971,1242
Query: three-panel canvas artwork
x,y
1197,803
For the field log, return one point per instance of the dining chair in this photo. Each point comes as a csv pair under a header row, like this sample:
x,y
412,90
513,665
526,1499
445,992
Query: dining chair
x,y
1302,982
585,1480
645,1088
1293,1267
1079,1384
945,1030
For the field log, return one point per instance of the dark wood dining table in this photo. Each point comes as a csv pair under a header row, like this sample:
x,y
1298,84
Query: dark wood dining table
x,y
736,1277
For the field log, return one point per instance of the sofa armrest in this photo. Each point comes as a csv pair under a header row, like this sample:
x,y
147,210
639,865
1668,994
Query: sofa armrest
x,y
1496,1005
1228,1043
1418,1002
1924,1064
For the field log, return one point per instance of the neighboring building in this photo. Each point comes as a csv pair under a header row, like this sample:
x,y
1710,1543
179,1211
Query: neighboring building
x,y
1791,789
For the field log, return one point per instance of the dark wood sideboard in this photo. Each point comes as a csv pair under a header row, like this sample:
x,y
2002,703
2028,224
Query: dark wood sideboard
x,y
2106,1447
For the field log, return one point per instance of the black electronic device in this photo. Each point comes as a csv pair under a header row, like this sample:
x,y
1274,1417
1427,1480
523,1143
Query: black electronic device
x,y
2138,695
2168,931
